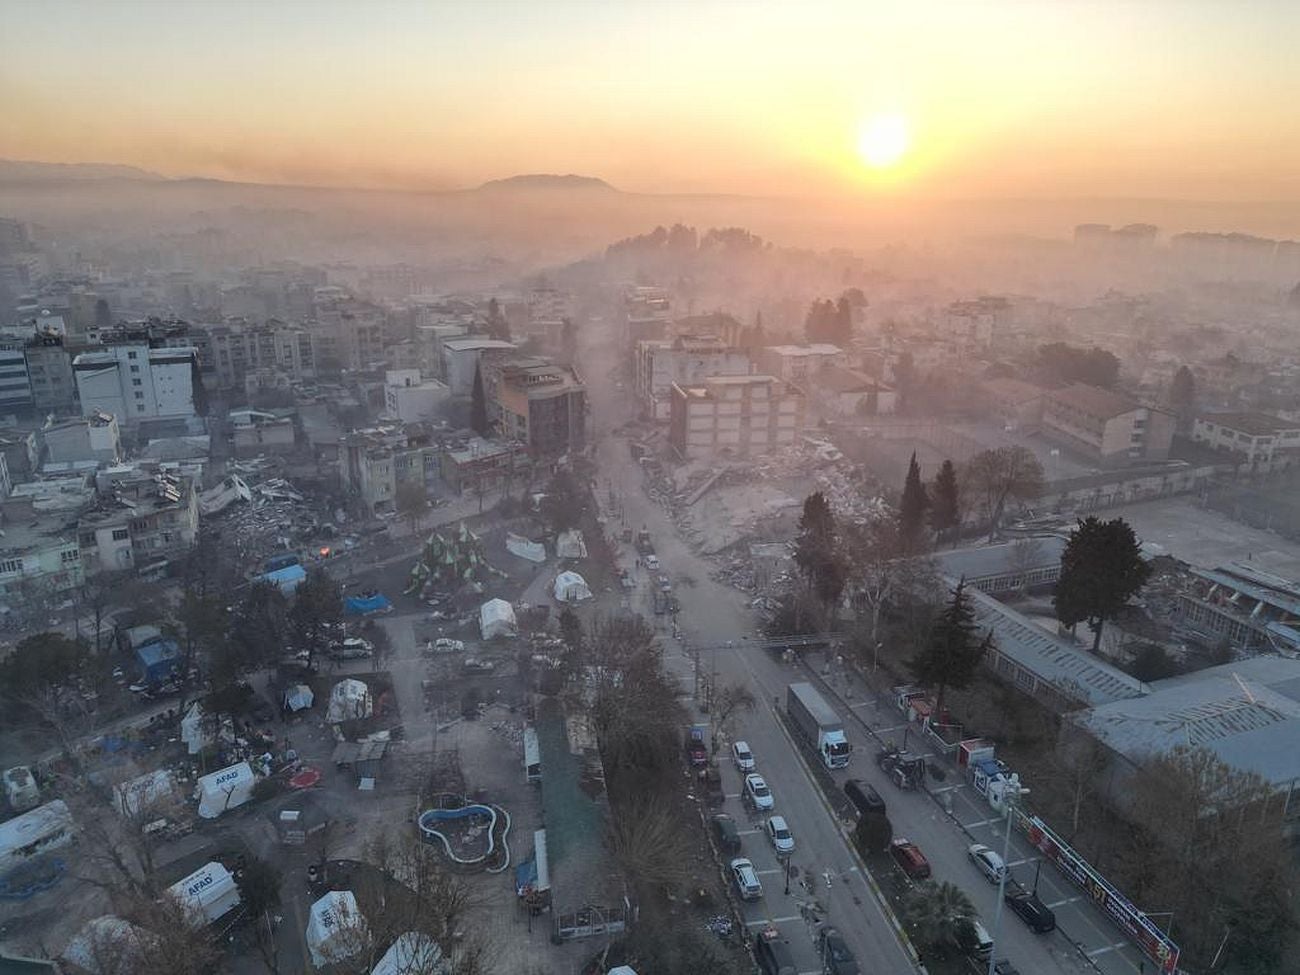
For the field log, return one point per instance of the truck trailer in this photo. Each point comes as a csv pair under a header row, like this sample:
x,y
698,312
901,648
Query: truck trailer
x,y
818,723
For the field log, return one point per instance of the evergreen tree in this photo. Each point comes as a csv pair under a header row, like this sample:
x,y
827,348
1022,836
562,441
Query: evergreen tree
x,y
478,418
816,551
497,326
945,500
953,652
1101,569
911,510
1182,395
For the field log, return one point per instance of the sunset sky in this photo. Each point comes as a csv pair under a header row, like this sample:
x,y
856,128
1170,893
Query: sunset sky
x,y
1151,99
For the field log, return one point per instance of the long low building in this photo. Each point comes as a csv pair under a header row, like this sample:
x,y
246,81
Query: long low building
x,y
1255,611
1006,568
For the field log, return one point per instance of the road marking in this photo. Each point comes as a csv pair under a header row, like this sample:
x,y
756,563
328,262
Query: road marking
x,y
946,788
982,822
1101,951
733,795
767,873
763,922
814,971
1020,863
745,832
897,727
1068,900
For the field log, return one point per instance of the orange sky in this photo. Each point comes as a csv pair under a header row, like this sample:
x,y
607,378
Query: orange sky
x,y
1185,99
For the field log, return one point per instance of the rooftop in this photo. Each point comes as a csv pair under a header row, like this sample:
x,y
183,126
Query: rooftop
x,y
837,379
475,343
994,560
1246,712
540,377
816,348
1015,390
1252,424
1094,400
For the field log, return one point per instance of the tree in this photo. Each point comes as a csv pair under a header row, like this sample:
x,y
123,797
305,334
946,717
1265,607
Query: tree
x,y
953,653
478,417
1152,662
725,706
816,551
945,500
316,614
497,326
563,502
373,632
937,917
828,321
1101,569
412,503
1070,364
1182,394
569,340
1004,474
257,631
912,508
648,843
873,556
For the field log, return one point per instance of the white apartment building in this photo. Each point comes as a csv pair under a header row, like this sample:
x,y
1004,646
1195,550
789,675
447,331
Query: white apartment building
x,y
409,398
743,415
1263,442
1106,427
686,361
460,358
797,363
135,382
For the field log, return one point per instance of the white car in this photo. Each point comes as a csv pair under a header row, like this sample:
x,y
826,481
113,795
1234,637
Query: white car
x,y
757,792
353,648
746,879
445,645
652,561
779,833
988,862
742,756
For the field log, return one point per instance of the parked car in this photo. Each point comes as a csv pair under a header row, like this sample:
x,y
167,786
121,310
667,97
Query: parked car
x,y
779,833
652,562
982,945
746,879
864,797
444,645
757,794
909,858
987,861
742,756
477,665
836,957
1031,910
353,648
774,958
724,827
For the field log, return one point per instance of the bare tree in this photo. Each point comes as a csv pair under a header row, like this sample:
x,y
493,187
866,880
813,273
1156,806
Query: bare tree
x,y
1026,555
648,843
725,706
1000,475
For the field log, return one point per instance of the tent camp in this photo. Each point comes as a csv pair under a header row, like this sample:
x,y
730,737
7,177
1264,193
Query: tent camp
x,y
412,954
336,929
145,793
571,588
525,548
349,700
496,618
570,545
288,578
46,827
206,894
376,602
298,697
225,789
106,945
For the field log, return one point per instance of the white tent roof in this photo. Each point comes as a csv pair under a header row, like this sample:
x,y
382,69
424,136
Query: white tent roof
x,y
142,794
193,730
226,789
298,697
50,824
525,548
412,954
206,894
336,930
571,588
497,619
349,699
106,941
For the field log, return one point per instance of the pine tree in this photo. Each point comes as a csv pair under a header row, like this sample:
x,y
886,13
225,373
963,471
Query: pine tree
x,y
1101,569
945,500
911,510
953,652
816,551
478,418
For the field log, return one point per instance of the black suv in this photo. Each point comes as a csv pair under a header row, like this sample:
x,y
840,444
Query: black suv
x,y
1032,911
774,957
835,954
862,795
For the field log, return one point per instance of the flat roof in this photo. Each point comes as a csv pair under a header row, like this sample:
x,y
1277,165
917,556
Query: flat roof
x,y
815,348
1094,400
984,561
1254,424
476,344
1014,389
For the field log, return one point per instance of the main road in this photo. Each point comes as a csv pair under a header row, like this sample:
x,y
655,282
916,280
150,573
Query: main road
x,y
714,615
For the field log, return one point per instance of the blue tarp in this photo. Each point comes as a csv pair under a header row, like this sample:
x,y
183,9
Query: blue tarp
x,y
159,660
366,605
288,578
277,562
525,877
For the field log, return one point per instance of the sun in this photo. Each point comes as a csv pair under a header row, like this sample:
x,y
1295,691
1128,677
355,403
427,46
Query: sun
x,y
883,141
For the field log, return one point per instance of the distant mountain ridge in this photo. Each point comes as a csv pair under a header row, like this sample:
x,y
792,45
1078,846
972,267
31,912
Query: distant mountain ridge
x,y
43,171
548,181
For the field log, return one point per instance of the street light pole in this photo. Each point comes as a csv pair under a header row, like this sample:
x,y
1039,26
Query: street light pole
x,y
785,863
1009,799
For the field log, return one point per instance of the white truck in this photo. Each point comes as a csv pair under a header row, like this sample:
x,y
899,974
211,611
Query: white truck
x,y
818,723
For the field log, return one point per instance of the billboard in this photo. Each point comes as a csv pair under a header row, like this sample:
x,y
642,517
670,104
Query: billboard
x,y
1153,942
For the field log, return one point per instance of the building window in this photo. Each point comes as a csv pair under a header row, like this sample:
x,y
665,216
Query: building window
x,y
11,565
70,555
121,534
139,394
131,355
137,382
139,407
135,368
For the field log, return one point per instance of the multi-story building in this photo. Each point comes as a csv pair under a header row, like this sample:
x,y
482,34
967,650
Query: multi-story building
x,y
147,517
38,556
797,363
135,382
429,339
15,384
355,330
410,399
743,415
685,360
484,465
970,327
86,438
1105,427
49,370
462,356
1264,443
539,403
649,312
376,462
256,432
848,392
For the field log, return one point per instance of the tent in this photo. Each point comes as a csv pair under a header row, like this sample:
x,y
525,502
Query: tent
x,y
496,618
298,697
158,660
195,731
366,605
288,578
569,545
412,954
107,939
336,930
140,795
525,548
224,790
23,837
206,894
350,699
571,588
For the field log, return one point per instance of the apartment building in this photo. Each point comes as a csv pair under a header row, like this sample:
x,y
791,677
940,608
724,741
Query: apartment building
x,y
84,438
484,465
685,360
15,384
1106,427
135,382
1262,442
648,312
462,356
742,415
847,392
1018,404
145,518
38,556
797,363
49,372
410,399
538,403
